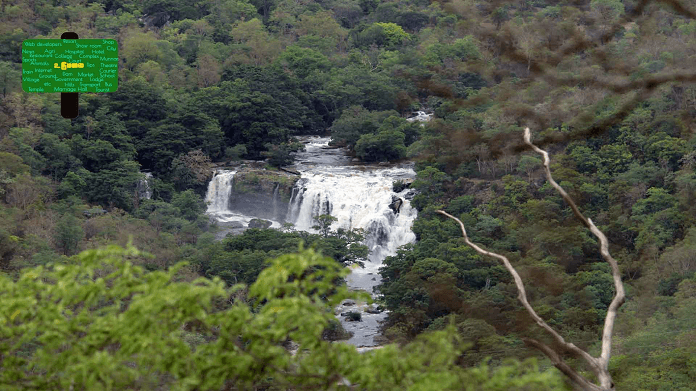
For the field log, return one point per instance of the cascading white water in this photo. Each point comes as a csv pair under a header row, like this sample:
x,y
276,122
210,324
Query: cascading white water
x,y
219,190
143,187
275,199
358,196
358,200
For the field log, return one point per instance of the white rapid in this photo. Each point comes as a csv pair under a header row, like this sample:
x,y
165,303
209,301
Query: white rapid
x,y
359,197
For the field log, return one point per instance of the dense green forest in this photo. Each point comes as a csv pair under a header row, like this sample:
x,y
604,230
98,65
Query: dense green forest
x,y
604,85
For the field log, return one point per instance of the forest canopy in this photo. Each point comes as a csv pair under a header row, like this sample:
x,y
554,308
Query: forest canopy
x,y
605,85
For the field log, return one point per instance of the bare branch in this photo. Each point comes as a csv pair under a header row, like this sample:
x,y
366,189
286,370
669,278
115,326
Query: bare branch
x,y
522,296
598,365
619,296
558,362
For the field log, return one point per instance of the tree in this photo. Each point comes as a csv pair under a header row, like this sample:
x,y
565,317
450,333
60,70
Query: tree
x,y
252,34
71,185
324,224
187,129
193,169
209,71
163,11
138,48
607,12
322,24
151,71
12,164
236,152
189,203
303,61
68,234
224,13
25,190
113,185
9,78
80,337
354,122
598,365
281,155
387,35
528,164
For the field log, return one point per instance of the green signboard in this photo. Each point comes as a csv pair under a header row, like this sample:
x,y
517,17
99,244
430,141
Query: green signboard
x,y
69,65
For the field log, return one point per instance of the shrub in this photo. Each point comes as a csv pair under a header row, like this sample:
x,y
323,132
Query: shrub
x,y
236,152
385,145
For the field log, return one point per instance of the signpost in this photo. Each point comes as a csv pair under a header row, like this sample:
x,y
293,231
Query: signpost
x,y
69,66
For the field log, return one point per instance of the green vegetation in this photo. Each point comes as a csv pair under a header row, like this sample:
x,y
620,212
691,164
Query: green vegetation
x,y
241,258
99,333
238,79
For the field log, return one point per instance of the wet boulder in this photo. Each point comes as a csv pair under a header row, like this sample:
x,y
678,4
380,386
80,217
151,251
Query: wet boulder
x,y
396,204
259,223
354,317
373,309
410,194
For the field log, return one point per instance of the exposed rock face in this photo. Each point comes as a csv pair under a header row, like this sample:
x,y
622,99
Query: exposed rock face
x,y
262,193
411,193
396,204
230,224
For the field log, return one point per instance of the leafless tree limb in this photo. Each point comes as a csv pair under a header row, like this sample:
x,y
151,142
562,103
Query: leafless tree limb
x,y
599,365
619,296
558,362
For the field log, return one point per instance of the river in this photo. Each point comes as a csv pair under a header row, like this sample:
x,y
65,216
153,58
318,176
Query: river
x,y
359,196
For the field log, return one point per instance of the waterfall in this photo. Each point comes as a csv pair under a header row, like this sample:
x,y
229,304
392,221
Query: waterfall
x,y
143,187
357,200
359,197
219,191
275,201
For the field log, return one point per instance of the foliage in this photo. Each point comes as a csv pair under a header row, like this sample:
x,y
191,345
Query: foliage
x,y
84,336
236,152
68,234
191,170
241,258
324,224
237,79
355,122
281,155
383,145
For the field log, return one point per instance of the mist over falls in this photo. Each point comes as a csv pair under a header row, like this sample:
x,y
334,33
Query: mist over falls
x,y
358,196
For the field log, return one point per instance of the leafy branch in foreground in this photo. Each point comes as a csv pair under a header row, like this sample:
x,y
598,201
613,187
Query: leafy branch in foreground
x,y
599,365
102,323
